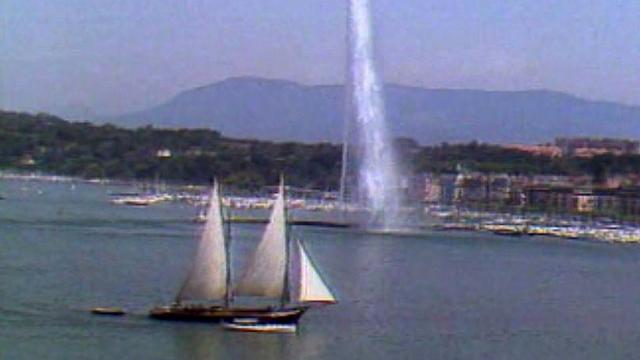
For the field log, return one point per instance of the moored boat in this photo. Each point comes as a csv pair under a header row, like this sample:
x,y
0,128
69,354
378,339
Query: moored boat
x,y
506,229
141,200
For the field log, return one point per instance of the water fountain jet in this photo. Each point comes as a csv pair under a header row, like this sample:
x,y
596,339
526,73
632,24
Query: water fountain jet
x,y
368,158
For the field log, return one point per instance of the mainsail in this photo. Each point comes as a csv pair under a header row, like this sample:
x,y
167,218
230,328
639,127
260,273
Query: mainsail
x,y
311,287
208,277
266,271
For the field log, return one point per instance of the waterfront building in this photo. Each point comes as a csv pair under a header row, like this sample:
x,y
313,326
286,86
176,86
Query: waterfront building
x,y
588,147
618,196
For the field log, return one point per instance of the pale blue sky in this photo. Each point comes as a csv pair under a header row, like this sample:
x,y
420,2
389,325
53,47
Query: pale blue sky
x,y
119,55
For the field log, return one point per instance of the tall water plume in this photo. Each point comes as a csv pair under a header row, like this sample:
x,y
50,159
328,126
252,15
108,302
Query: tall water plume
x,y
368,157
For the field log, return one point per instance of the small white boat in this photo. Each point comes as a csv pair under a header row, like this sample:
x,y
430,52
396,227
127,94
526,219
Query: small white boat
x,y
141,200
111,311
248,326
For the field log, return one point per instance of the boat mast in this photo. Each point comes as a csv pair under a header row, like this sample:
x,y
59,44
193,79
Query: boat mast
x,y
285,298
228,296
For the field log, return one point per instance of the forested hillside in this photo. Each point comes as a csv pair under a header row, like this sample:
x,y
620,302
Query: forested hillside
x,y
49,144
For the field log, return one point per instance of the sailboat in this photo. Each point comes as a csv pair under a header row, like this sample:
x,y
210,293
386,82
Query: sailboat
x,y
279,269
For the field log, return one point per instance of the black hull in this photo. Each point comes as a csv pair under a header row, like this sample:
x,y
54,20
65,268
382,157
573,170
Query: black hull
x,y
288,315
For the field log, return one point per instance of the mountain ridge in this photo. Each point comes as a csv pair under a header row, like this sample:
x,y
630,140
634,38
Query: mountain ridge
x,y
284,110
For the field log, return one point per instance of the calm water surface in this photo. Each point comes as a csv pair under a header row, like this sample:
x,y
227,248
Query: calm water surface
x,y
439,296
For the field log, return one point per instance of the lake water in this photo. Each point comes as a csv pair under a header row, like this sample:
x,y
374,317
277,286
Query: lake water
x,y
438,296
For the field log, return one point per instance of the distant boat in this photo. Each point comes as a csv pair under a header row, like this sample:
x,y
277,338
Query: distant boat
x,y
141,200
111,311
278,269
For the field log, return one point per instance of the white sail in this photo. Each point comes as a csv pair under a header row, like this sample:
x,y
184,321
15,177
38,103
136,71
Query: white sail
x,y
208,277
266,271
311,286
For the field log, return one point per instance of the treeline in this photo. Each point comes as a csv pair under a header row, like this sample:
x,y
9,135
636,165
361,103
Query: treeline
x,y
49,144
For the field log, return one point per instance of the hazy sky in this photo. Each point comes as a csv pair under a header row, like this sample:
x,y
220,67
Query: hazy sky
x,y
119,55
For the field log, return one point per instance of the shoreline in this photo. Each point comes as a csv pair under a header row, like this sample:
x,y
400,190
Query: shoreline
x,y
447,219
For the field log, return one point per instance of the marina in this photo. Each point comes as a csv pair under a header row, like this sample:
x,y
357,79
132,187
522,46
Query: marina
x,y
330,213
